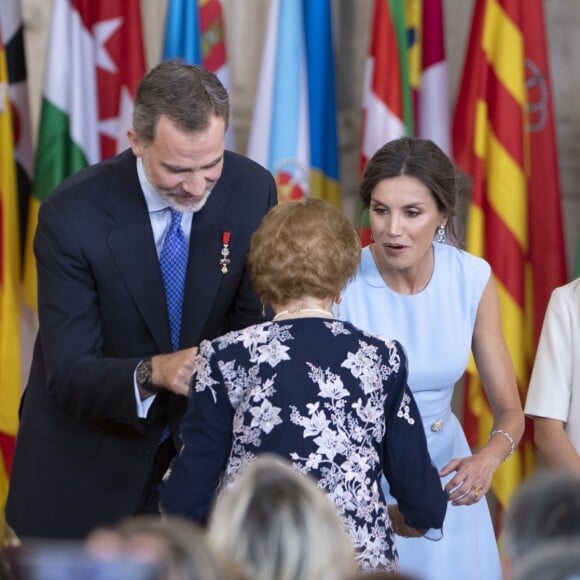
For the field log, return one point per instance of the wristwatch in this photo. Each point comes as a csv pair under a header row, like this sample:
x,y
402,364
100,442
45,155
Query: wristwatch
x,y
144,374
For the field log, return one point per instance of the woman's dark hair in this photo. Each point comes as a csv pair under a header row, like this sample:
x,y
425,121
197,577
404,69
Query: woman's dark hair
x,y
423,160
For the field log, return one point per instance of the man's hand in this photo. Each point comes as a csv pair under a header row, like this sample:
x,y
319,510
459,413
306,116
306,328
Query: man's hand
x,y
173,371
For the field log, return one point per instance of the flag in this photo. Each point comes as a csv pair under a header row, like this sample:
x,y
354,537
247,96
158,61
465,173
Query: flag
x,y
383,116
11,22
12,26
405,88
432,115
294,132
279,136
95,60
195,33
546,246
9,287
503,137
324,172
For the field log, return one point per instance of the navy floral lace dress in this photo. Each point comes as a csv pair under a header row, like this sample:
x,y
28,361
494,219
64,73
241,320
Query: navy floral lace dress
x,y
328,397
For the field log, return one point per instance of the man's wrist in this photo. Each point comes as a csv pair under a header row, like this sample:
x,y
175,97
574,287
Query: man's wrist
x,y
144,376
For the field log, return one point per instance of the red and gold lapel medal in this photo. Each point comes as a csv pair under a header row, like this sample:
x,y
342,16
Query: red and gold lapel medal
x,y
225,252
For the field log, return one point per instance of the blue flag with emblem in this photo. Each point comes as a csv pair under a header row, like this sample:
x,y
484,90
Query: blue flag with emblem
x,y
294,131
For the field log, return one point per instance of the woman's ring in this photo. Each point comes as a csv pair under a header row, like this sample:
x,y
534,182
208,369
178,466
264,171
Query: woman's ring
x,y
476,489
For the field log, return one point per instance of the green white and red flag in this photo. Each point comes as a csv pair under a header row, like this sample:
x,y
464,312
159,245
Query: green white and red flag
x,y
94,62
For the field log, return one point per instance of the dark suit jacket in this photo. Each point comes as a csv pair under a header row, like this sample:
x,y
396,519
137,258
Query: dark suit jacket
x,y
82,454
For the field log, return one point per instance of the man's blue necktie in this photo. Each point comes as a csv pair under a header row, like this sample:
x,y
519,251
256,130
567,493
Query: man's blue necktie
x,y
173,261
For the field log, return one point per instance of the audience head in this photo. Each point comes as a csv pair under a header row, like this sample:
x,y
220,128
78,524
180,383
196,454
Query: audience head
x,y
423,161
178,548
543,509
276,523
556,560
384,575
303,248
70,560
187,94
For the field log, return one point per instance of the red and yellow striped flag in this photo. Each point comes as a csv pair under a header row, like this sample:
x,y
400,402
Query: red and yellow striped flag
x,y
9,289
503,136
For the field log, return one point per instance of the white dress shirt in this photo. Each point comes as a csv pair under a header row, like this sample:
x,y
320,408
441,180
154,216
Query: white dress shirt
x,y
160,216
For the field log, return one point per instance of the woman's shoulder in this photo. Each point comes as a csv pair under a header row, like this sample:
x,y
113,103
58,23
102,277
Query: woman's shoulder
x,y
460,256
569,292
254,333
468,267
564,305
370,338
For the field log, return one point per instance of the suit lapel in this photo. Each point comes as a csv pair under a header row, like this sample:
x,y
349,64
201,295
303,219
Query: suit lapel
x,y
133,248
204,275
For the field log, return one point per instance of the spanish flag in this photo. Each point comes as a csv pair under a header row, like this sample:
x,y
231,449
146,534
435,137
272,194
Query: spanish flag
x,y
503,137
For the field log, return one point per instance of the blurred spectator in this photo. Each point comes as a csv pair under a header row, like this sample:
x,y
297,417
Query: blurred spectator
x,y
276,524
178,548
543,509
557,560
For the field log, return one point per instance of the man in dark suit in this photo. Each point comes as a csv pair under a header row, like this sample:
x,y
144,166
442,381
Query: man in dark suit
x,y
106,382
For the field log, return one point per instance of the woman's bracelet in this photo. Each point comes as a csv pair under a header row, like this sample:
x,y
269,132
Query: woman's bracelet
x,y
508,437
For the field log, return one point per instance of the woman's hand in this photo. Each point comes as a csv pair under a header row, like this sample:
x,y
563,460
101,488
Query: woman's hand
x,y
472,478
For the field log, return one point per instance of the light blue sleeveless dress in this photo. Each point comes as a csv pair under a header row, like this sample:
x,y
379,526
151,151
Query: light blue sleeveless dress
x,y
435,327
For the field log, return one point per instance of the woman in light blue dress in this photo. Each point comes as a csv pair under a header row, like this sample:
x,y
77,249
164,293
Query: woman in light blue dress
x,y
442,304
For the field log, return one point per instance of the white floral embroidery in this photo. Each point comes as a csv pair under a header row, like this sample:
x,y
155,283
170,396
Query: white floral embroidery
x,y
337,327
202,369
273,353
314,424
344,430
254,336
404,409
331,386
330,443
266,416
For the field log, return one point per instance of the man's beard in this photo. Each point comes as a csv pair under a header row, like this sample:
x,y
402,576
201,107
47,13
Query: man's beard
x,y
173,196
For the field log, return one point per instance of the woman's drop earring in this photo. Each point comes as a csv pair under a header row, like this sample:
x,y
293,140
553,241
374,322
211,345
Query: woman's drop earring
x,y
440,234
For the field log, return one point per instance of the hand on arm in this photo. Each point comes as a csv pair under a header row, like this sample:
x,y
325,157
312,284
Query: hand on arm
x,y
173,371
473,475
